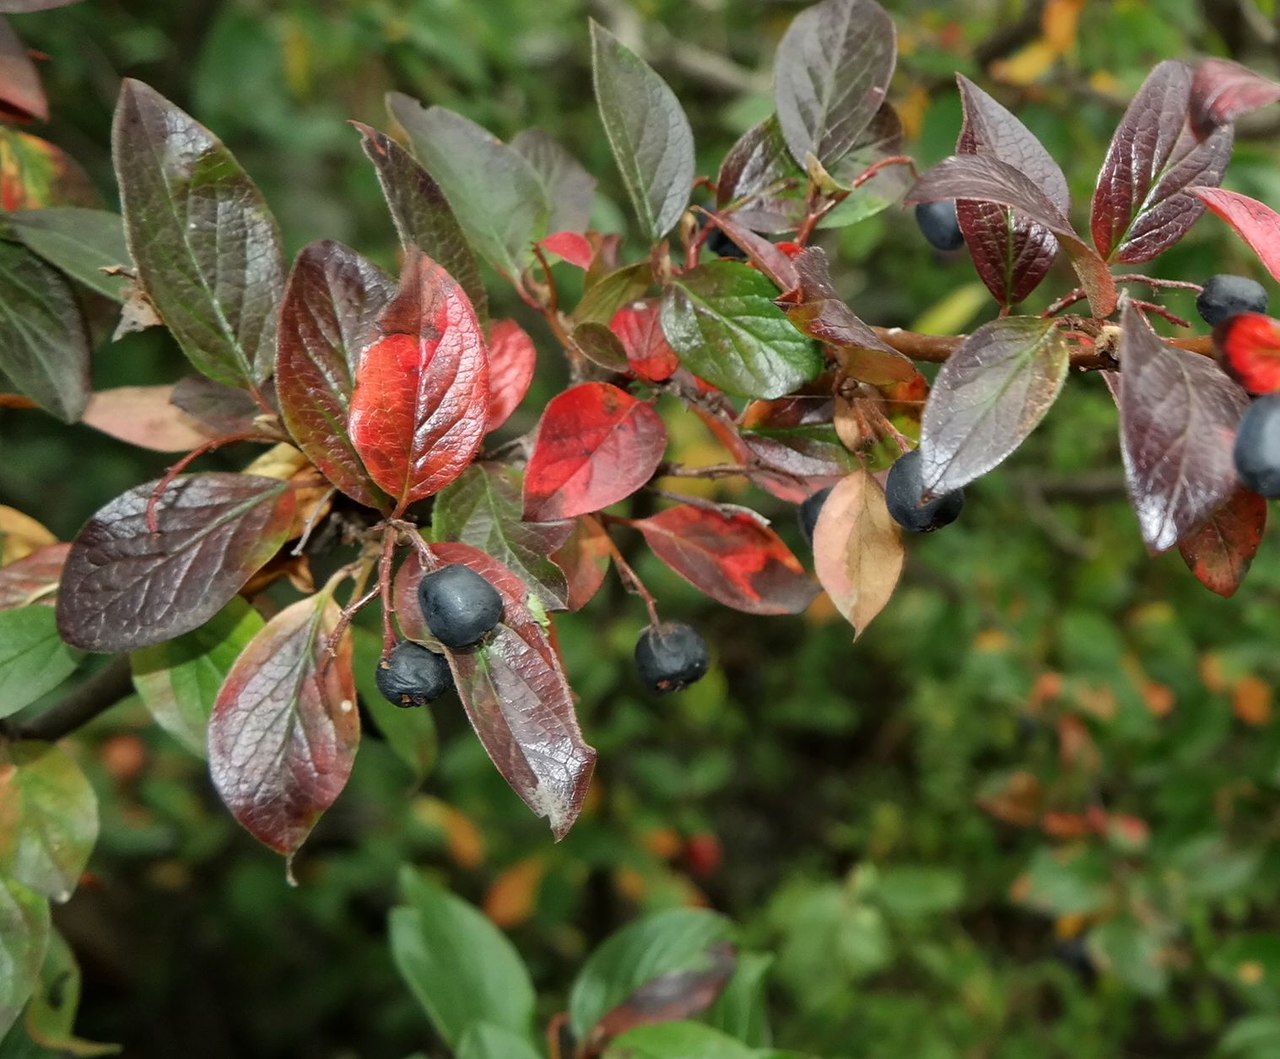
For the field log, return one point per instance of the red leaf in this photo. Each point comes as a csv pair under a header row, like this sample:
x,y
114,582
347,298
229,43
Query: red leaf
x,y
584,558
284,730
421,401
512,359
639,328
1249,350
514,692
572,246
33,578
1256,223
1220,551
731,556
595,445
1222,91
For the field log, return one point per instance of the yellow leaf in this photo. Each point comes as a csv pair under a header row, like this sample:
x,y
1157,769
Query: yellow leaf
x,y
20,535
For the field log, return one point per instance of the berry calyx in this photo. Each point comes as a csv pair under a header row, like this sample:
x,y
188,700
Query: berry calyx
x,y
939,225
1257,447
809,511
413,676
459,605
903,491
671,656
1225,295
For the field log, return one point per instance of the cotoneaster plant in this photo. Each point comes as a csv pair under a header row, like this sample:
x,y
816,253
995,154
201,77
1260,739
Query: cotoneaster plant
x,y
376,399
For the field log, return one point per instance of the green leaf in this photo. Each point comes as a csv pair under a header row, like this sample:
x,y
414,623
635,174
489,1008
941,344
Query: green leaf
x,y
1252,1037
569,188
410,733
723,325
742,1010
1068,883
482,1040
1250,963
679,1040
51,1013
495,194
44,349
462,969
178,680
79,242
916,891
648,131
1133,953
48,818
24,936
205,245
612,291
674,940
33,657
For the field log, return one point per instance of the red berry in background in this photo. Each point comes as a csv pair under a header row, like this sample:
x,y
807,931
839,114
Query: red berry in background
x,y
1249,350
703,854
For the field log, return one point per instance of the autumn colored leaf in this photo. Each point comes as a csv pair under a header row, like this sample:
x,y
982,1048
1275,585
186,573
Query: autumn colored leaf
x,y
601,346
796,435
571,247
20,534
145,416
730,555
1219,552
512,360
125,587
610,292
421,400
768,257
857,549
1222,91
639,329
1255,222
34,174
584,558
284,729
33,578
21,96
595,445
332,301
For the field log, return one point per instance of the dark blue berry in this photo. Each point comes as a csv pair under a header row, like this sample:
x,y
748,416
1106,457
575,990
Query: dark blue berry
x,y
939,225
722,246
459,605
412,675
671,656
903,490
1226,295
809,512
1257,448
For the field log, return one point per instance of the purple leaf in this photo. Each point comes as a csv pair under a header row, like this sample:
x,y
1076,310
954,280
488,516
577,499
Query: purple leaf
x,y
1141,206
569,188
223,409
1222,91
125,587
1178,418
831,75
1011,253
988,397
988,179
328,318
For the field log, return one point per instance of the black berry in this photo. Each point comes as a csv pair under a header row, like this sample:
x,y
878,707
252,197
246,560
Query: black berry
x,y
809,512
1225,295
1257,447
412,675
939,225
722,246
671,656
459,605
903,489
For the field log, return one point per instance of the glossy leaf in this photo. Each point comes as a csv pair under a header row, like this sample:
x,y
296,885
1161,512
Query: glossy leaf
x,y
648,131
284,728
483,508
1219,552
206,248
48,818
601,346
124,587
568,187
796,435
410,734
595,445
987,179
421,401
857,549
988,397
33,579
1141,206
722,322
33,658
1012,254
79,242
145,416
830,76
639,329
1255,222
44,349
24,936
514,692
584,558
494,192
332,301
421,213
459,966
731,556
178,681
1178,417
1222,91
512,360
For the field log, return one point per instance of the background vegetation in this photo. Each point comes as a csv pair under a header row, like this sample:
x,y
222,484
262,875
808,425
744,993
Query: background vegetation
x,y
1031,813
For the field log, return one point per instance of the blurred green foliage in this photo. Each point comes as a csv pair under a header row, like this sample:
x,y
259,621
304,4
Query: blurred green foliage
x,y
1031,813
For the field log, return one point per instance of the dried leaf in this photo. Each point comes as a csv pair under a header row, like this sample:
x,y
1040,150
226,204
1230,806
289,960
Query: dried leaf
x,y
145,416
33,578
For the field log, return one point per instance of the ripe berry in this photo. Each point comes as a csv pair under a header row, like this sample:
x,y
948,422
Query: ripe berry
x,y
459,605
1225,295
671,656
938,222
809,512
412,675
1257,448
902,491
722,246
